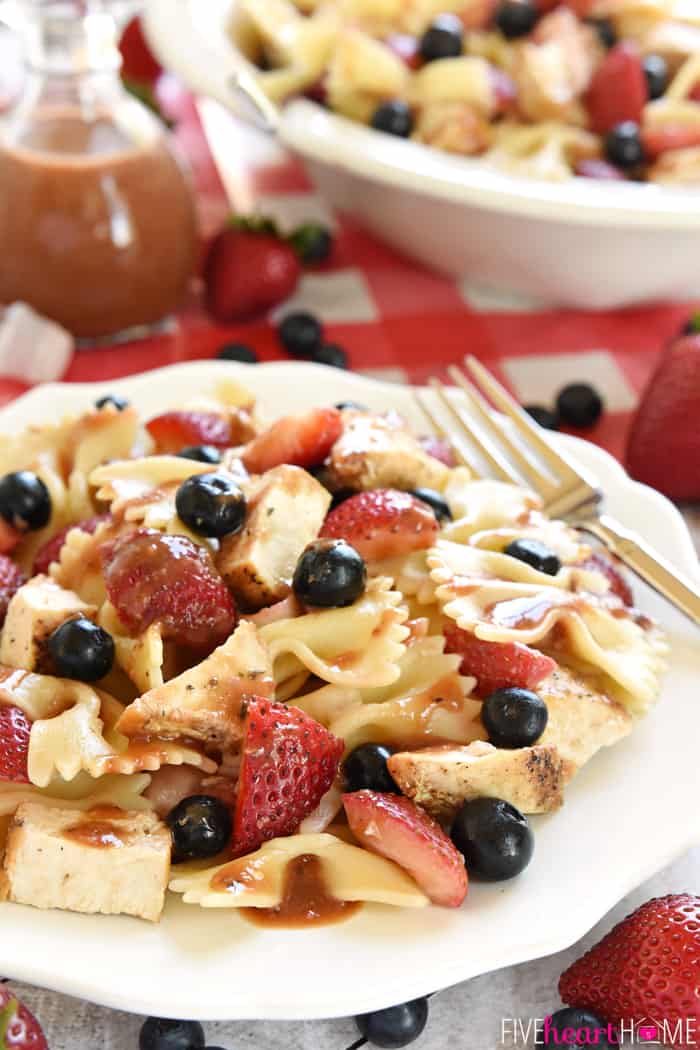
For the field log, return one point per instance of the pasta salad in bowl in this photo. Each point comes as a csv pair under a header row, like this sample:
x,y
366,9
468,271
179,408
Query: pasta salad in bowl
x,y
606,89
485,152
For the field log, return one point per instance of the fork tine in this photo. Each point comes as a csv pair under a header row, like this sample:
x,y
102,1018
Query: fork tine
x,y
543,482
498,462
458,446
527,426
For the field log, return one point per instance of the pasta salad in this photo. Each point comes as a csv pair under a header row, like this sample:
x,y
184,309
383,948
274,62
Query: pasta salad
x,y
607,89
289,667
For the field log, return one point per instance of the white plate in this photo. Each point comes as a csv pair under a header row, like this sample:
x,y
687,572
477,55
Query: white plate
x,y
493,230
631,812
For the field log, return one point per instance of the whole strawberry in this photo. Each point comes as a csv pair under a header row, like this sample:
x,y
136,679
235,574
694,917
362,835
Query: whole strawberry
x,y
646,970
248,270
19,1030
663,449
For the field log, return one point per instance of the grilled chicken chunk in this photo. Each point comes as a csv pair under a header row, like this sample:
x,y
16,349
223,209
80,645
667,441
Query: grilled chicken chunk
x,y
581,719
441,778
376,452
107,861
36,610
207,702
287,508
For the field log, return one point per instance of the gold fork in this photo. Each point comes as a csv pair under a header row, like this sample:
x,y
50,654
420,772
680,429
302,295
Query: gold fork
x,y
522,454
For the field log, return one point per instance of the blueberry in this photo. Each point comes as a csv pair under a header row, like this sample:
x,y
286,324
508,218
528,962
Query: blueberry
x,y
514,717
120,403
80,649
605,30
494,838
25,502
396,1026
356,406
301,334
393,118
211,505
587,1026
536,554
444,38
366,767
238,352
656,72
331,355
202,453
516,17
157,1033
546,417
312,242
201,827
330,574
623,145
437,503
579,405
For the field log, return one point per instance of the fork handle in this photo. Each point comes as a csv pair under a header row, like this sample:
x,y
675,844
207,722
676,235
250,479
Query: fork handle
x,y
641,558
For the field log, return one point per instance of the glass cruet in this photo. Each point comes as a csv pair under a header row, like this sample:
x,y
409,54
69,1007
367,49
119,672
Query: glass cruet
x,y
97,219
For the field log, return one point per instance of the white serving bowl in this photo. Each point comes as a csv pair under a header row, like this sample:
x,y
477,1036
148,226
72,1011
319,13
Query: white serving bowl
x,y
580,243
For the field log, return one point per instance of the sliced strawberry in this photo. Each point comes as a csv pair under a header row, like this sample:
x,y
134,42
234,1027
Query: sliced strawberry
x,y
438,448
619,585
396,828
618,90
11,579
51,550
15,728
153,578
694,95
383,523
289,763
19,1029
9,537
303,440
174,430
505,91
496,665
658,140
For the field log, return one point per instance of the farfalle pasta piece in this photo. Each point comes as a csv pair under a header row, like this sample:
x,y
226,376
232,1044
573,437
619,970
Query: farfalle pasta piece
x,y
410,575
558,537
82,793
141,658
258,880
500,599
480,505
546,151
361,73
357,646
79,568
73,732
466,79
95,438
